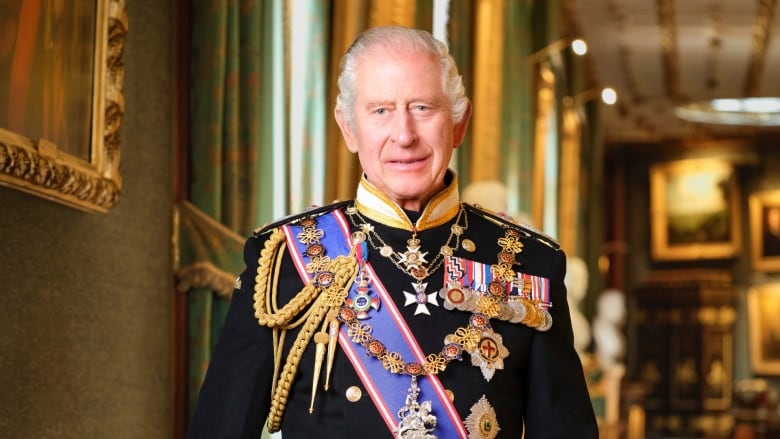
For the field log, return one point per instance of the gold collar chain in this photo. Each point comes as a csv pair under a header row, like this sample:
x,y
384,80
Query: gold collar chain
x,y
412,261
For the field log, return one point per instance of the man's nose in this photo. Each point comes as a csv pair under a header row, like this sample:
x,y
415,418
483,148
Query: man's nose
x,y
404,129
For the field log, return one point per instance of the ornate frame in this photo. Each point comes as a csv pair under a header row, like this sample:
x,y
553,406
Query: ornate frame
x,y
40,168
764,329
693,240
765,244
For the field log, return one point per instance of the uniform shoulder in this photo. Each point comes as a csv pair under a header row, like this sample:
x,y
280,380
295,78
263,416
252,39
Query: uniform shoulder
x,y
292,219
503,221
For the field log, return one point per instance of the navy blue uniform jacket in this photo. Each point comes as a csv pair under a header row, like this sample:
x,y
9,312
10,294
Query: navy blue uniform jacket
x,y
541,388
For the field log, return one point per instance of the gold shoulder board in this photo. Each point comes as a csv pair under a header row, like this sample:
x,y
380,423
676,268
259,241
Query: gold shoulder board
x,y
503,221
290,219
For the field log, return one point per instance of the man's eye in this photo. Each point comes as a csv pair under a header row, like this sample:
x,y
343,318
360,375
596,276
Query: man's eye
x,y
421,107
380,111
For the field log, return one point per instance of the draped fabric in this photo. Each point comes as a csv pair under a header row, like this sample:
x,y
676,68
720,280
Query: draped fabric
x,y
308,106
516,168
505,117
225,114
257,143
460,31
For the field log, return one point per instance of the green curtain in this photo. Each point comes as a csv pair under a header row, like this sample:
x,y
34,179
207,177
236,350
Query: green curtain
x,y
309,108
517,118
246,167
224,115
460,33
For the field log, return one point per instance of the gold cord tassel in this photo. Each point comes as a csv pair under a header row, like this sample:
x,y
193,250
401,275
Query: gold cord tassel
x,y
320,339
324,304
333,334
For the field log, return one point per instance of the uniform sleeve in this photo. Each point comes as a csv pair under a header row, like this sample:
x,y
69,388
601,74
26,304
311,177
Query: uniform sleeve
x,y
558,403
234,398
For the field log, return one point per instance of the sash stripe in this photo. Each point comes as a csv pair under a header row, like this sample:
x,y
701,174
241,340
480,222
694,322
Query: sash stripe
x,y
368,382
430,386
297,255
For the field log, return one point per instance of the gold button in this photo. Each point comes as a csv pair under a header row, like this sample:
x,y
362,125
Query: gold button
x,y
354,394
450,395
469,245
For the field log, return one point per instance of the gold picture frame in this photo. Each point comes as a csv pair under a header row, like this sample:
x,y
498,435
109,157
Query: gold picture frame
x,y
765,230
694,210
85,177
764,328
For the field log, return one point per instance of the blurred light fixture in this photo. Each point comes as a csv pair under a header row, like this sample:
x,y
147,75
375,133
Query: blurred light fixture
x,y
748,111
577,45
608,96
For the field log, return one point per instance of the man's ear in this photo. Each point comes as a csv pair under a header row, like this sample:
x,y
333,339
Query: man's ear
x,y
459,130
346,131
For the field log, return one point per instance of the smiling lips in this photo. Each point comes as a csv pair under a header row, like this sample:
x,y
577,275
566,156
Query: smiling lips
x,y
407,161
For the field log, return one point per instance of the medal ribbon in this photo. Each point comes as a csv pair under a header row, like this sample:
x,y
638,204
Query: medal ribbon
x,y
476,276
387,390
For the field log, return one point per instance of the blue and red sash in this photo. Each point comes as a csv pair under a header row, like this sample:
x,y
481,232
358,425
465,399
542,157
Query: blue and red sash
x,y
387,390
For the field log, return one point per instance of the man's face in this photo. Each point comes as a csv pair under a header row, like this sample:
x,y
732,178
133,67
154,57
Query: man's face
x,y
403,131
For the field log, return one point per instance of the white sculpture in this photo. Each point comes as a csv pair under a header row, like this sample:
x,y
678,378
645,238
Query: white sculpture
x,y
607,328
576,282
493,195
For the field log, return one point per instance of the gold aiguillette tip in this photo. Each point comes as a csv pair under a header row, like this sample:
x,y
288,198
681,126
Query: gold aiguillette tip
x,y
333,333
321,339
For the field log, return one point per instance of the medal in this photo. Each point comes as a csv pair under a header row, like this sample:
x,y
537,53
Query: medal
x,y
489,353
415,420
421,298
482,422
412,261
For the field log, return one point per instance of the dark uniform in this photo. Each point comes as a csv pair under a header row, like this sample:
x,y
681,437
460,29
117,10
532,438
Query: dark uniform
x,y
541,387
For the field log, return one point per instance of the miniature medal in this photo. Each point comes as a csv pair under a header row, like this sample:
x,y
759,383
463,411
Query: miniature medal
x,y
482,422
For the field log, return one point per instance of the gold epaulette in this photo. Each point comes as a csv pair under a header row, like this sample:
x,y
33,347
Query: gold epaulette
x,y
503,221
291,219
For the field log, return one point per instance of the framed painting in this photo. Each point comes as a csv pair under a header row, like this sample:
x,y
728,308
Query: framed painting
x,y
61,102
694,210
764,329
765,230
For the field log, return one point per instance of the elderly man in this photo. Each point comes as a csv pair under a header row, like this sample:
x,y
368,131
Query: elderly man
x,y
402,313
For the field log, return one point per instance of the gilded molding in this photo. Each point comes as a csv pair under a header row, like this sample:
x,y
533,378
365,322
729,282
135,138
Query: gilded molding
x,y
205,275
762,26
570,190
488,68
668,28
33,172
392,12
39,168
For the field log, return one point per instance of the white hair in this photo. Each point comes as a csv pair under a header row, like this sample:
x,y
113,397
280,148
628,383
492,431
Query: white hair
x,y
400,38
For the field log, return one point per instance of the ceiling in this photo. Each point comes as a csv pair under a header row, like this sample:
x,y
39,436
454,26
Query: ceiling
x,y
660,53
